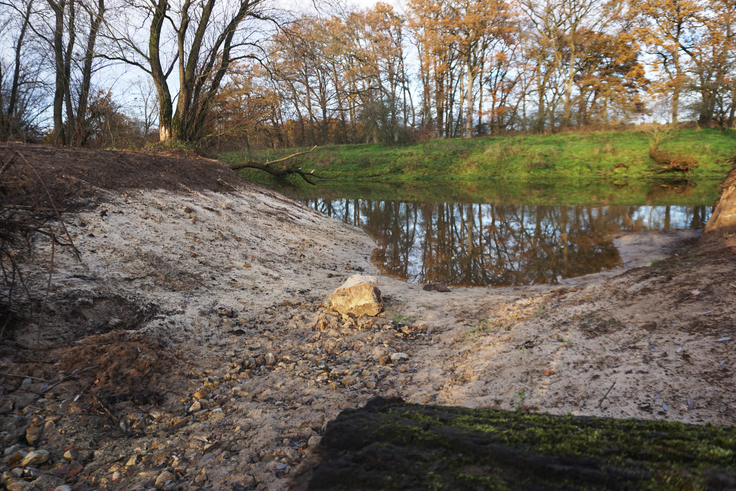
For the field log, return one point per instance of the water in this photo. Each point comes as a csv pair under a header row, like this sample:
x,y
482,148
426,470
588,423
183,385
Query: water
x,y
480,244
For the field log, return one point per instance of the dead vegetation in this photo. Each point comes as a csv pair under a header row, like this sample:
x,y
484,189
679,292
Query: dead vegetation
x,y
666,161
28,213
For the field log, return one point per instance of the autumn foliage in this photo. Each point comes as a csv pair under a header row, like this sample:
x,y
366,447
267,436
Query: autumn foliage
x,y
432,68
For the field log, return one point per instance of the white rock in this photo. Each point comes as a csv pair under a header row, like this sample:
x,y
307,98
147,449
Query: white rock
x,y
399,356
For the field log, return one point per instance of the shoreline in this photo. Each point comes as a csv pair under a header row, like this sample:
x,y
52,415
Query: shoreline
x,y
195,321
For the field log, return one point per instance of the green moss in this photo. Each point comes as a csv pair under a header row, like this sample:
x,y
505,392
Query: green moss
x,y
662,450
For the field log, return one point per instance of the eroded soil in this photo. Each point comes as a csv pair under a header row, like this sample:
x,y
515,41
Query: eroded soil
x,y
189,346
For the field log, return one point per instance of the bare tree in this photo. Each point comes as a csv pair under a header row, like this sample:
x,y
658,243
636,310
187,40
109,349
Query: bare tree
x,y
201,39
20,77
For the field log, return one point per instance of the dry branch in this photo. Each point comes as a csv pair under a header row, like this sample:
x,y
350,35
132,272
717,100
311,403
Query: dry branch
x,y
283,171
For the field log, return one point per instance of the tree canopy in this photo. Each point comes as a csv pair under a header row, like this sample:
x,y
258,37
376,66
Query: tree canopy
x,y
240,73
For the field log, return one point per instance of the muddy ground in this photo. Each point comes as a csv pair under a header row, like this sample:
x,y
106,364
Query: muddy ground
x,y
188,346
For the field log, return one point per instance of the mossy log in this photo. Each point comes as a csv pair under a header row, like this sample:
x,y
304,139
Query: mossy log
x,y
390,444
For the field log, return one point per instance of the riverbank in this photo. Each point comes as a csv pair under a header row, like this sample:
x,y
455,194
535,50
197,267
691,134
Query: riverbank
x,y
189,343
616,156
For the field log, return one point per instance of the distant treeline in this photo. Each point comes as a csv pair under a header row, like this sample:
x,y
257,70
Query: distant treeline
x,y
221,74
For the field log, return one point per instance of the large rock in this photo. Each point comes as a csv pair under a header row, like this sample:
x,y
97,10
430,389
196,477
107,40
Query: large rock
x,y
358,296
723,219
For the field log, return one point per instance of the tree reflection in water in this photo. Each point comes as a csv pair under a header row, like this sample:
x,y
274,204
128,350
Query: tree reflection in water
x,y
500,245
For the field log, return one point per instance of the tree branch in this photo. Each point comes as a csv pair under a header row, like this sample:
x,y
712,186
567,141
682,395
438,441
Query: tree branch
x,y
282,172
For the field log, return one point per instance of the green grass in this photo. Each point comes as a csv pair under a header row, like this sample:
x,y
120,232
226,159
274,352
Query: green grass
x,y
615,156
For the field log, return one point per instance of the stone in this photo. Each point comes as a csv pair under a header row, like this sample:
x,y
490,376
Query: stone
x,y
11,450
34,458
19,485
6,406
196,406
34,434
435,287
6,476
399,357
164,477
270,359
359,295
69,455
63,488
47,481
133,460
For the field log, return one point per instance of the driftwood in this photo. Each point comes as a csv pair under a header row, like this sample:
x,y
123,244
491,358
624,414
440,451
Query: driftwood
x,y
282,171
392,445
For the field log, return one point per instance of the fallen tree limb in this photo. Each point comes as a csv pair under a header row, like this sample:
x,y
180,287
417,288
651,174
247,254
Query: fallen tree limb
x,y
280,172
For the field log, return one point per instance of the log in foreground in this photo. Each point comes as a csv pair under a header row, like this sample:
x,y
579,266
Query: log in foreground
x,y
390,444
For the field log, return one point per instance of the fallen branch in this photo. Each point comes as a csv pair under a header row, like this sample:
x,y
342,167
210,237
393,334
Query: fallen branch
x,y
283,171
24,377
604,397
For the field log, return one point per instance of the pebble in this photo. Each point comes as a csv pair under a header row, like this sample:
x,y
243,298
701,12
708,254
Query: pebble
x,y
11,450
34,434
69,455
6,406
313,440
270,359
164,477
132,461
34,458
196,406
63,488
19,485
201,477
399,356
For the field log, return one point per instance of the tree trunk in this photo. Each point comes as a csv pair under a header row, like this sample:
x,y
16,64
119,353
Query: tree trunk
x,y
58,108
71,41
81,131
469,96
15,84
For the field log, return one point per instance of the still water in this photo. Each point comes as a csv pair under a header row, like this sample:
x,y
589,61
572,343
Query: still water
x,y
478,244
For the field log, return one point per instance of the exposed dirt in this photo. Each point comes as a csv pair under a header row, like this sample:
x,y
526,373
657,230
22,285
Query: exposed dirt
x,y
189,344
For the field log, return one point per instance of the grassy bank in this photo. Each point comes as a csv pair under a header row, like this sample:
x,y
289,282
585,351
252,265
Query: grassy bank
x,y
615,156
559,192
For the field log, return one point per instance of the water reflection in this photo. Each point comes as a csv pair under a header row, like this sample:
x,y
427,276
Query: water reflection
x,y
500,245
